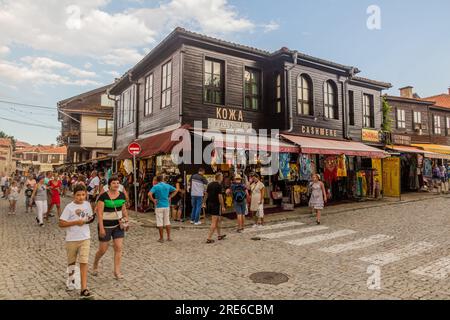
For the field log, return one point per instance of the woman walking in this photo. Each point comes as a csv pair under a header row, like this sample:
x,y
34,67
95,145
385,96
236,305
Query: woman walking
x,y
318,196
112,224
40,198
215,206
178,200
257,189
55,190
13,197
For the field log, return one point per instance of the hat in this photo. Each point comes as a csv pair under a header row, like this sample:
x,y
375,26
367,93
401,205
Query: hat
x,y
237,177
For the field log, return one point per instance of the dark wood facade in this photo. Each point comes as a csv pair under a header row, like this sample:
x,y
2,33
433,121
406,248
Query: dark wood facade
x,y
426,133
188,52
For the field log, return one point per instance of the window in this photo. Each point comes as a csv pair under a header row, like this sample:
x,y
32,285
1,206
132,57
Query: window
x,y
401,119
330,100
166,93
148,95
368,111
304,95
214,82
417,120
104,127
127,106
437,125
252,89
278,93
448,126
351,107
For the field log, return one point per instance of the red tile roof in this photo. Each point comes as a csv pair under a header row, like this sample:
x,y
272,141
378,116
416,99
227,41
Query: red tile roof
x,y
22,144
45,149
442,100
5,142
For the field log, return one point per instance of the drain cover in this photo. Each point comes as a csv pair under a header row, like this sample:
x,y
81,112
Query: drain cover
x,y
274,278
256,238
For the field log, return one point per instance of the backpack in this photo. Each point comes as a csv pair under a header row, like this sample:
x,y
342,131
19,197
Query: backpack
x,y
239,194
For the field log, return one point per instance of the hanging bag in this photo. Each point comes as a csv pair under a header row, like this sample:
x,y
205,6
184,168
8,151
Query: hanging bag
x,y
122,223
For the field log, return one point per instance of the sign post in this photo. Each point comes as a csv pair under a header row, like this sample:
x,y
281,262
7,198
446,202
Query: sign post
x,y
134,149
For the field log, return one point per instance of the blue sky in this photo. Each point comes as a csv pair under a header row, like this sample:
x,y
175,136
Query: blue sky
x,y
59,53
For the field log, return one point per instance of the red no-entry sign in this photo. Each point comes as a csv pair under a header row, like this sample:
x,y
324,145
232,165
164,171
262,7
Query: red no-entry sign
x,y
134,149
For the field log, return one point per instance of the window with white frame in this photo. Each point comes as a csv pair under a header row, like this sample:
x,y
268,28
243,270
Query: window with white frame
x,y
401,119
148,95
127,106
417,120
437,125
166,88
448,126
368,111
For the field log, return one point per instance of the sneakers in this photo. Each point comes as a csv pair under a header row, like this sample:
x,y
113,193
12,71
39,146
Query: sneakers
x,y
192,222
197,223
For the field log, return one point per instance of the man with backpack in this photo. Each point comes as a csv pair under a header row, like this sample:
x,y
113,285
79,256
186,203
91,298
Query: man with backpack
x,y
240,196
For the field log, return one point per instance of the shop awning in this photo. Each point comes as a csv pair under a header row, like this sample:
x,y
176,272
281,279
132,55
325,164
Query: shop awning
x,y
157,144
254,143
435,148
435,151
406,149
334,147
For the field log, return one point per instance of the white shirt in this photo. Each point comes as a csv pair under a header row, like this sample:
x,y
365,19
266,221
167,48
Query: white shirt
x,y
95,182
3,181
75,212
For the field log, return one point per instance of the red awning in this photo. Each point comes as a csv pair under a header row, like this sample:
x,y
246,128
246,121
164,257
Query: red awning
x,y
157,144
406,149
334,147
254,143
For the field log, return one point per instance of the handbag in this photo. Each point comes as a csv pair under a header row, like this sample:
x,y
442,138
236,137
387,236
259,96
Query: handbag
x,y
123,225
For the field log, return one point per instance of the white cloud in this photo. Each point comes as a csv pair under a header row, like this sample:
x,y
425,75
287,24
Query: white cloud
x,y
40,70
85,28
272,26
88,65
4,50
113,73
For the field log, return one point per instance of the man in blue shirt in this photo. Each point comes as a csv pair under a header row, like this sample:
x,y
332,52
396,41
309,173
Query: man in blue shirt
x,y
160,195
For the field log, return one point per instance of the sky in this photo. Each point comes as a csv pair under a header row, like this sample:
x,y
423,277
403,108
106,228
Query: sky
x,y
54,49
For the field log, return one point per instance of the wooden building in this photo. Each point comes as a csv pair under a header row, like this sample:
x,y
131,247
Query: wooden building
x,y
86,125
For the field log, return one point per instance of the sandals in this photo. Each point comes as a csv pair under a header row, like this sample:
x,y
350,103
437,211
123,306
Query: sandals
x,y
222,237
118,276
209,241
160,240
86,294
95,273
318,222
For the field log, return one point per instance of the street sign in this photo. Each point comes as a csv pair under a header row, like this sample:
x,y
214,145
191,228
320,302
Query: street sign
x,y
134,149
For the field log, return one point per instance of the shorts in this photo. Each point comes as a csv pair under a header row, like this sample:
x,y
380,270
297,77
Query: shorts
x,y
162,217
112,233
78,248
28,202
213,209
13,198
240,208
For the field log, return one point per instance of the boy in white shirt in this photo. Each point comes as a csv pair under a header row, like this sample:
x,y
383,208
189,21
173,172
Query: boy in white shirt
x,y
76,218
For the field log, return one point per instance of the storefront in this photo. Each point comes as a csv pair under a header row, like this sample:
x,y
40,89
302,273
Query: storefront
x,y
350,170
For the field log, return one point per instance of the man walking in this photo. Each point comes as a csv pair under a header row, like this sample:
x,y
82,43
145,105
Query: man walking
x,y
198,185
3,180
215,206
160,195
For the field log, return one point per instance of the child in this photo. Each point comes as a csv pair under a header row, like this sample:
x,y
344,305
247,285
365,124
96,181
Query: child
x,y
76,217
28,202
13,196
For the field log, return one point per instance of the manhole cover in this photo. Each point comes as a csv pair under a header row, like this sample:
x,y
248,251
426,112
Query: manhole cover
x,y
274,278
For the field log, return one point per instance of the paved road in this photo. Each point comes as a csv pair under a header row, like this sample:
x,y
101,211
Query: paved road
x,y
407,245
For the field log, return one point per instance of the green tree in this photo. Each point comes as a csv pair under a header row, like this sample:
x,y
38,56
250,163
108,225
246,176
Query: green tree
x,y
387,116
4,135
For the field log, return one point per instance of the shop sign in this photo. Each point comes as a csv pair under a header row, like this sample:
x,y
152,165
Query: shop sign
x,y
229,114
217,124
370,135
401,140
318,131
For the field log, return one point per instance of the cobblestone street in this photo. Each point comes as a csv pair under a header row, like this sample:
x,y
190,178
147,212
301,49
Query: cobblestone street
x,y
408,242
